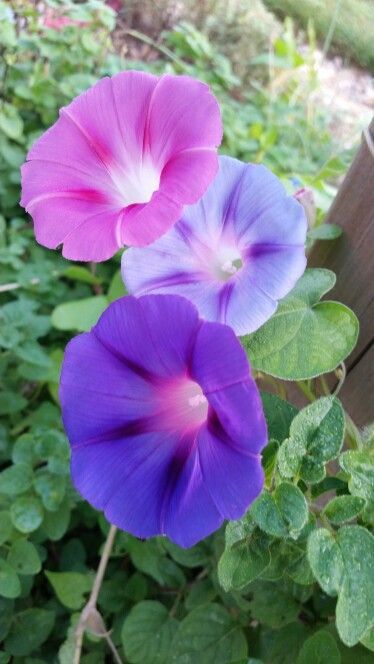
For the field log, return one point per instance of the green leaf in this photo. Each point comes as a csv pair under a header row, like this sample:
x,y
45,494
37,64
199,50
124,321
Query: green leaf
x,y
147,633
316,436
11,402
11,122
344,565
326,560
283,513
279,415
208,634
51,489
202,592
359,464
273,605
9,582
136,588
16,479
343,508
116,287
196,556
29,630
6,615
33,353
23,451
368,639
70,587
55,524
325,232
66,651
281,646
26,514
305,337
79,273
24,558
321,648
6,526
79,315
148,557
246,554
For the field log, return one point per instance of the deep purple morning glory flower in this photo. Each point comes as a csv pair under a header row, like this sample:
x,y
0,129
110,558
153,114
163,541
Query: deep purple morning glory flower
x,y
234,254
164,419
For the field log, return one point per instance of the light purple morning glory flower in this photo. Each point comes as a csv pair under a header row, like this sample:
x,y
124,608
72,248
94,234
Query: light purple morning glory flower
x,y
164,419
234,254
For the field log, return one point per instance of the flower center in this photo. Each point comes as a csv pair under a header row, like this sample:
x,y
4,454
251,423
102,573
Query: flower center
x,y
227,262
184,405
137,185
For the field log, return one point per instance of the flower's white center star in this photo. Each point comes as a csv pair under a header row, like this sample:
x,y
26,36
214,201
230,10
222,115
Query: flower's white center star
x,y
227,262
138,184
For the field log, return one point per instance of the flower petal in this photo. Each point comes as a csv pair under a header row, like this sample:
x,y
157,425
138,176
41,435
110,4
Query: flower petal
x,y
275,268
218,360
187,174
95,238
116,146
169,266
281,222
109,394
190,513
183,114
142,224
239,414
234,480
155,333
127,479
248,306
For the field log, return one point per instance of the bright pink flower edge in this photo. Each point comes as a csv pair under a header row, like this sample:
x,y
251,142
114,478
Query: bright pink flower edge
x,y
120,163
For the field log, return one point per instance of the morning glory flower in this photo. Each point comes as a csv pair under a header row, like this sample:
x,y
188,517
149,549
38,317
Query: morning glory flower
x,y
234,254
164,419
120,163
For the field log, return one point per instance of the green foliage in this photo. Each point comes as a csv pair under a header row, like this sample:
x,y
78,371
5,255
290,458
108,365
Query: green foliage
x,y
246,554
147,633
321,648
349,18
268,587
29,629
208,634
79,315
347,570
305,337
283,513
316,436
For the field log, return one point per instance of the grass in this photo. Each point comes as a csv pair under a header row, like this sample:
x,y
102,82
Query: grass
x,y
352,22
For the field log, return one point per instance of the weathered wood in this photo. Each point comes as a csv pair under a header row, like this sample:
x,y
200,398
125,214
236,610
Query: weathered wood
x,y
351,257
358,390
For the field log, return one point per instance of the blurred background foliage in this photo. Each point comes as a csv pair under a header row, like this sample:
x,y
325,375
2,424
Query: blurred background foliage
x,y
265,74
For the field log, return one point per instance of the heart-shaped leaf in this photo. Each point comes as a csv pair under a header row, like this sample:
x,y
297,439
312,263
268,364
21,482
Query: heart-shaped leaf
x,y
305,337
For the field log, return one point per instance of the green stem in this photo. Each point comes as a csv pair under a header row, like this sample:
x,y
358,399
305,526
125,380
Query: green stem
x,y
306,390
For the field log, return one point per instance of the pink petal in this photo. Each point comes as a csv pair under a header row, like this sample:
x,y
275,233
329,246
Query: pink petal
x,y
187,175
183,114
95,239
107,173
142,224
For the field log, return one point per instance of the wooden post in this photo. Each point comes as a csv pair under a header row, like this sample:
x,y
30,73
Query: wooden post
x,y
351,258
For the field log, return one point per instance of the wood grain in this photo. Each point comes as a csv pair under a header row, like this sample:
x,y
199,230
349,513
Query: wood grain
x,y
351,258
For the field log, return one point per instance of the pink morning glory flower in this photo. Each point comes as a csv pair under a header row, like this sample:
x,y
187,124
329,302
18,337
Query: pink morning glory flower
x,y
164,419
234,254
120,163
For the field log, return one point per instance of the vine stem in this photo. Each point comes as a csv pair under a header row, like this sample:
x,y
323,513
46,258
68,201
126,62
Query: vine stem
x,y
91,604
341,375
306,390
